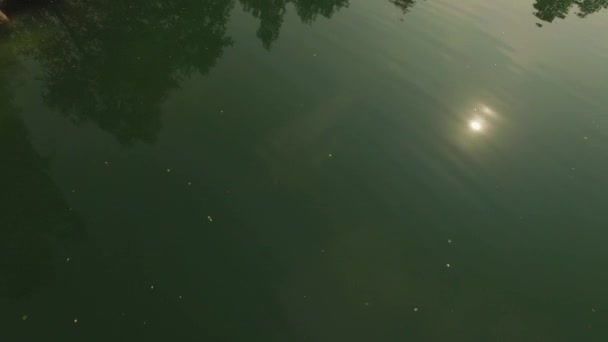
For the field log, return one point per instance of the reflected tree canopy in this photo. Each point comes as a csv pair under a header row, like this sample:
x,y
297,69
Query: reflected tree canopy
x,y
271,13
115,65
309,10
548,10
404,5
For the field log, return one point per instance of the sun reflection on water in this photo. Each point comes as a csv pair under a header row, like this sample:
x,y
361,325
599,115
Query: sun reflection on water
x,y
475,125
481,118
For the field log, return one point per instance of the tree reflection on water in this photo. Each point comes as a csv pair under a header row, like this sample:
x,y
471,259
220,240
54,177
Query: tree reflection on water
x,y
548,10
115,65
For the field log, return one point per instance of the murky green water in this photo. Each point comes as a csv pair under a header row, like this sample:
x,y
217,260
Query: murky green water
x,y
305,170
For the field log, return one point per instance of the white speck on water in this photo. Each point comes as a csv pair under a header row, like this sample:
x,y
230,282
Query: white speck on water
x,y
209,218
314,55
180,297
152,287
145,322
366,304
189,183
585,138
449,241
75,320
67,260
73,190
447,265
24,317
330,155
168,170
106,163
416,309
592,310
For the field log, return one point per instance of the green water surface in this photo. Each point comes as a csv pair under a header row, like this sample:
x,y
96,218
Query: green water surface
x,y
304,170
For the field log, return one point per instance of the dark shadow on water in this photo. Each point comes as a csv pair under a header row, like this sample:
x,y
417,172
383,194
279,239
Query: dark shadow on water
x,y
36,222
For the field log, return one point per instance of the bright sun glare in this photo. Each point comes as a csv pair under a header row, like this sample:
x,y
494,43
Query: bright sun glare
x,y
475,125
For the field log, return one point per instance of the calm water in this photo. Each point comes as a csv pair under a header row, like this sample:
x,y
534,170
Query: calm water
x,y
304,170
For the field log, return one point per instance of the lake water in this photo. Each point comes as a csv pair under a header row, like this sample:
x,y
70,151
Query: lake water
x,y
304,170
